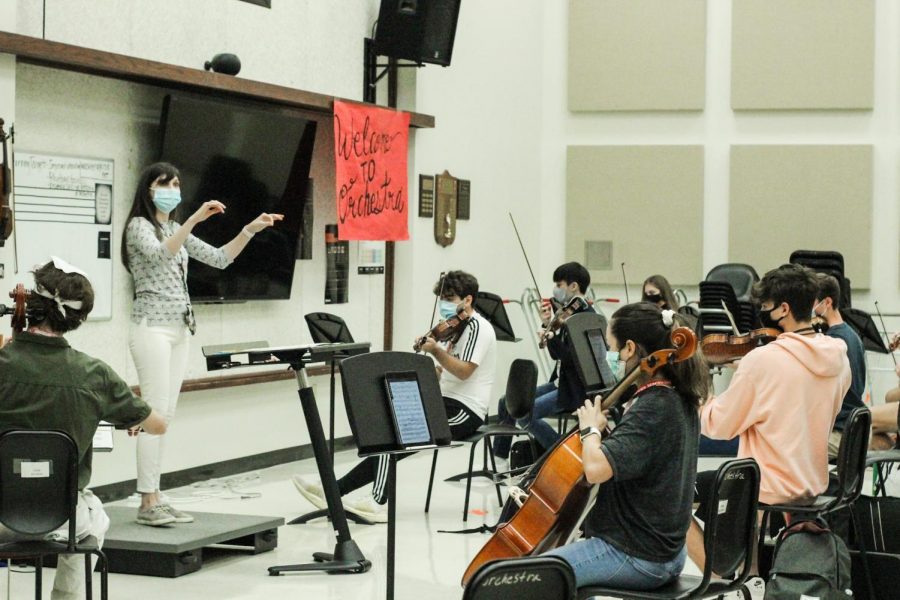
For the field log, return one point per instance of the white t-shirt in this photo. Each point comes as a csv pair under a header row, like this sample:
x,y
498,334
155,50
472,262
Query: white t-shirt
x,y
477,344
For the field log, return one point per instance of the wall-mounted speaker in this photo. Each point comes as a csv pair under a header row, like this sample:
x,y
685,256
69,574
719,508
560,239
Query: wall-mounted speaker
x,y
418,30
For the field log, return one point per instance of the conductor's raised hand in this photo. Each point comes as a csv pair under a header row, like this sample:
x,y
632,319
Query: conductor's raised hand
x,y
262,221
206,210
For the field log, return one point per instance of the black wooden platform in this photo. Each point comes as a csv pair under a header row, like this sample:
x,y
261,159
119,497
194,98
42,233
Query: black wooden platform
x,y
177,549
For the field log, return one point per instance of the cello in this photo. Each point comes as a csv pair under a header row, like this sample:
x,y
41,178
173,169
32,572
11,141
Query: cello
x,y
18,310
559,495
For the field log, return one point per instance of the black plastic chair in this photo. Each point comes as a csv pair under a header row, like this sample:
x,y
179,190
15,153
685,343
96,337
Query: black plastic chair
x,y
728,539
36,506
851,469
740,276
520,390
530,578
825,261
326,328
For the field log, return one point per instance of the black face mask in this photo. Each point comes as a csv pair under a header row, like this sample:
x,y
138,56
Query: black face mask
x,y
765,317
654,298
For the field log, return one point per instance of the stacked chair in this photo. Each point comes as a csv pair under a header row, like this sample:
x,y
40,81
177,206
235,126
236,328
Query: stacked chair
x,y
832,263
731,283
828,262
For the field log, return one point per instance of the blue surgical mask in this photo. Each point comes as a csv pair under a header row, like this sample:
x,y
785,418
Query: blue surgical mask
x,y
166,199
617,366
447,309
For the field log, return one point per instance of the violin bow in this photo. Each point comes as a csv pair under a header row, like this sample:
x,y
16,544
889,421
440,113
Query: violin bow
x,y
625,282
730,318
537,288
440,293
886,336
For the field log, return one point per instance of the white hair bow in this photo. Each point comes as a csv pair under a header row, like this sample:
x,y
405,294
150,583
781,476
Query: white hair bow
x,y
62,304
668,317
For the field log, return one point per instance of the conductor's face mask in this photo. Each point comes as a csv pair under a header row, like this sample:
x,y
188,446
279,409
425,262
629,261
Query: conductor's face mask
x,y
166,199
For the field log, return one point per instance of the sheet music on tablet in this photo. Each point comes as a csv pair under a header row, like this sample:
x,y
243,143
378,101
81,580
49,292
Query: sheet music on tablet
x,y
409,413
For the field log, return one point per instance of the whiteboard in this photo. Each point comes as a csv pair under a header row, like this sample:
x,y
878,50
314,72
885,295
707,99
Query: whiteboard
x,y
63,207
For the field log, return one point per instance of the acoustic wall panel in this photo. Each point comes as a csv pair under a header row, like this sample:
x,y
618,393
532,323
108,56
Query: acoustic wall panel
x,y
637,55
803,54
786,198
642,205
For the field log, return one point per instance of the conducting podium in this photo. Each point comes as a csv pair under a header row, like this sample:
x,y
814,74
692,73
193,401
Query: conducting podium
x,y
347,557
395,407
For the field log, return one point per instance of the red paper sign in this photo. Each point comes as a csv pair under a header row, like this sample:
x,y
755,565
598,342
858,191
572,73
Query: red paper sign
x,y
370,149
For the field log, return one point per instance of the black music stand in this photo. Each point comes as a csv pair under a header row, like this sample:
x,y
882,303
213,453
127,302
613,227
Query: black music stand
x,y
587,345
347,557
368,409
326,328
492,308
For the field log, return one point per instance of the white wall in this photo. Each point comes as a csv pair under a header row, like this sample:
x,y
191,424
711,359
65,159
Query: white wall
x,y
718,128
487,105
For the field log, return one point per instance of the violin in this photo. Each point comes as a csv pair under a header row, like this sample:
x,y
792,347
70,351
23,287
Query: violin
x,y
6,215
448,330
722,348
18,310
559,495
573,306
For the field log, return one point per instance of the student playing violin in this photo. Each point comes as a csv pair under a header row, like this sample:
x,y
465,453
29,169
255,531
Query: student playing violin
x,y
467,376
571,280
635,532
827,307
783,398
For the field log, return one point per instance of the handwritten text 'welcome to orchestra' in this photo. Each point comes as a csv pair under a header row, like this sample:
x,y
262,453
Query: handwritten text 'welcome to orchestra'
x,y
371,190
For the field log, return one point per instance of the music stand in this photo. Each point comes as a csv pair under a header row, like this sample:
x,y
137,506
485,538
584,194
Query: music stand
x,y
347,557
326,328
372,422
492,308
587,345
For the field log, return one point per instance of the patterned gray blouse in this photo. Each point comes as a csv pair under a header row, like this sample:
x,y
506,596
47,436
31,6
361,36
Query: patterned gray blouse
x,y
160,278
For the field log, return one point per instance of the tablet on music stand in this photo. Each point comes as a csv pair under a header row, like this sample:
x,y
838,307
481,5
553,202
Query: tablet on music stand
x,y
407,409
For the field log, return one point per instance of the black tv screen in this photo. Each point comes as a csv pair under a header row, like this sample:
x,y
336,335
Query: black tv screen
x,y
254,159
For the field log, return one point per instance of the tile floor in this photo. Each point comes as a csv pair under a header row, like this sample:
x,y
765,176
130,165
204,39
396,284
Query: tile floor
x,y
428,564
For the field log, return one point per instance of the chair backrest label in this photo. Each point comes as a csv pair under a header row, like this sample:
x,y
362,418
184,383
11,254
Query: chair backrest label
x,y
35,469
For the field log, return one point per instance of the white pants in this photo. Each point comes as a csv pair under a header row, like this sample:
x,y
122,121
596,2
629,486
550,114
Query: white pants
x,y
160,356
90,519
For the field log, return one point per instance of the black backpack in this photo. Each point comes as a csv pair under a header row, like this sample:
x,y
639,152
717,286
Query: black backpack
x,y
810,562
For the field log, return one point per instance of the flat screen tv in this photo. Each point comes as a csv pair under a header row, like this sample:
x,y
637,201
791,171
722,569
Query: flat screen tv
x,y
254,159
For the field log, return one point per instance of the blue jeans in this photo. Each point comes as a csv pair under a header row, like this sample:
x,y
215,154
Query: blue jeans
x,y
596,562
502,444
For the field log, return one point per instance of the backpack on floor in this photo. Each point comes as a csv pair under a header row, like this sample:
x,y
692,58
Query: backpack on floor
x,y
810,563
521,454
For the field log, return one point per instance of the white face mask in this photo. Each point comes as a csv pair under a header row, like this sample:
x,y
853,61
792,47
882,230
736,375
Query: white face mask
x,y
815,314
561,295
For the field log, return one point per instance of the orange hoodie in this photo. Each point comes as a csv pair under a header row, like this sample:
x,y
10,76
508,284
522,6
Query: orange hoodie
x,y
782,401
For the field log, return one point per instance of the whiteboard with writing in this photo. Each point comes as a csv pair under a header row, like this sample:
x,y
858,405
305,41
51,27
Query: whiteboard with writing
x,y
63,207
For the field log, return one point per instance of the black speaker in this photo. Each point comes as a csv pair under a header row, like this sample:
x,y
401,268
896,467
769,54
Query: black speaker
x,y
419,30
